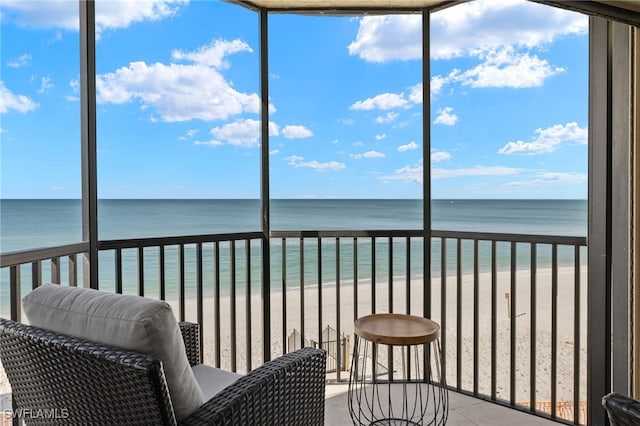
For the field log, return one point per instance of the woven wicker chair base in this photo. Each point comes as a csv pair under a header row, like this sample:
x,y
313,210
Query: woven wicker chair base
x,y
622,410
60,380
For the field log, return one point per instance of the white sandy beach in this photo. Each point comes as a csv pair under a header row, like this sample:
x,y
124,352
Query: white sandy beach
x,y
523,313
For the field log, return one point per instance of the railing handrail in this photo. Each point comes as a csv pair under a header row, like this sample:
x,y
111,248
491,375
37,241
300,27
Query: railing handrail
x,y
515,238
176,240
463,235
38,254
35,255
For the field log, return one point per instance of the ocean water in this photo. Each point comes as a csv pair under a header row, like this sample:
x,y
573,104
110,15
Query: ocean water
x,y
28,224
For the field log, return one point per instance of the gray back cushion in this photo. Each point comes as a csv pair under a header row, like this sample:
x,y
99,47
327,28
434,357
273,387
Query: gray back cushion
x,y
129,322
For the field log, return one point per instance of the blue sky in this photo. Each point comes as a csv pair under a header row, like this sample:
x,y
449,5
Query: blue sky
x,y
178,102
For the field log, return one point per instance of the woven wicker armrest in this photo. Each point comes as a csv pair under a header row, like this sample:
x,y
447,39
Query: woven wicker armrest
x,y
288,390
622,410
75,381
191,335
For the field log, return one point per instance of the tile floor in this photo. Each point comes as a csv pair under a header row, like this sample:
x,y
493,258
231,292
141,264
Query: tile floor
x,y
463,411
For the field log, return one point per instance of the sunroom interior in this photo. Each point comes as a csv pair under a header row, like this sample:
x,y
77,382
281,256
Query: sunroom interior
x,y
612,290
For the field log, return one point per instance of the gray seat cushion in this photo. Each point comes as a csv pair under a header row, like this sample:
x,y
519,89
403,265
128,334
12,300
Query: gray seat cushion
x,y
212,380
129,322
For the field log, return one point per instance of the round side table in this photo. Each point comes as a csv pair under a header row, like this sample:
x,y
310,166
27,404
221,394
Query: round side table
x,y
416,397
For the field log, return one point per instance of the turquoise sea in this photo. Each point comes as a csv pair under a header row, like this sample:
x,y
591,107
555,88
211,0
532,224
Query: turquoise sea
x,y
27,224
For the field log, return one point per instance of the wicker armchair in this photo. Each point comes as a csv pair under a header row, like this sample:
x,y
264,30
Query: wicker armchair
x,y
622,410
57,379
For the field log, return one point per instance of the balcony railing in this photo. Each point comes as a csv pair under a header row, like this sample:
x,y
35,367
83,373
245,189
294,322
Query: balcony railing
x,y
512,307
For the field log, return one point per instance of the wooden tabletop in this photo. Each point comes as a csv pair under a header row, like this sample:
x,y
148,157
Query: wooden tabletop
x,y
397,329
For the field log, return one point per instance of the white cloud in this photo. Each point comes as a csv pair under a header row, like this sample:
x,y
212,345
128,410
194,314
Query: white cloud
x,y
385,101
20,61
181,92
209,143
415,93
298,161
374,39
408,147
274,152
213,54
437,156
437,83
380,137
548,140
188,135
45,85
473,171
446,117
368,154
10,101
382,101
358,143
458,30
414,173
112,14
552,178
242,132
406,174
387,118
296,132
508,68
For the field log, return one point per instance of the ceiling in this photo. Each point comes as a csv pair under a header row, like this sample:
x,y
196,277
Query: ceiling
x,y
627,11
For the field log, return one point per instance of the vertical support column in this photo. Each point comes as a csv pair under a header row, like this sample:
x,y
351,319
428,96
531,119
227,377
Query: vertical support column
x,y
599,232
426,159
620,205
598,298
636,213
264,186
88,140
426,172
610,205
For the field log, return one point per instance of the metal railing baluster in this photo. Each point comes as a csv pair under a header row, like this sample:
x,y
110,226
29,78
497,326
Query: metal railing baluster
x,y
141,271
232,302
338,338
181,281
216,305
476,315
443,303
554,328
302,294
118,271
162,279
512,327
576,336
283,267
248,300
73,270
533,331
55,270
319,270
200,296
36,274
459,314
494,318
